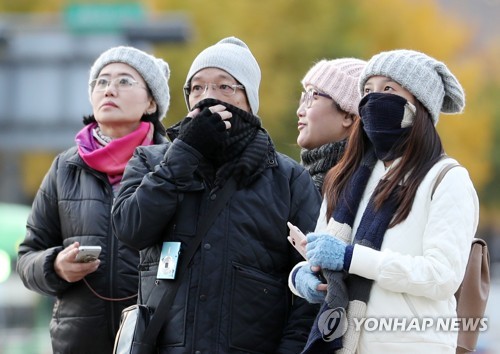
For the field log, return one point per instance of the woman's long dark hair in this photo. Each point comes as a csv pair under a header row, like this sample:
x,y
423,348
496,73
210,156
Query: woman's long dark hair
x,y
422,148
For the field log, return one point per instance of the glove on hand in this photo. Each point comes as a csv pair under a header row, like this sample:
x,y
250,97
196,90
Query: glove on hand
x,y
325,251
306,282
205,132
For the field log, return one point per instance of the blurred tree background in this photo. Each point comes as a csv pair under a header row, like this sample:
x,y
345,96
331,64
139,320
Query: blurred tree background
x,y
289,36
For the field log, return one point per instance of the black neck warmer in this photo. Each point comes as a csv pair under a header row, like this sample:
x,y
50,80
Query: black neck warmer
x,y
387,120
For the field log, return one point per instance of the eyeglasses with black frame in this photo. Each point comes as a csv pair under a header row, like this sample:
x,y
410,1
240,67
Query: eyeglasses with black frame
x,y
197,90
308,97
121,83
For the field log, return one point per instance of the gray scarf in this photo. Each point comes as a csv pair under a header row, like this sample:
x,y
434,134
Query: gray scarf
x,y
318,161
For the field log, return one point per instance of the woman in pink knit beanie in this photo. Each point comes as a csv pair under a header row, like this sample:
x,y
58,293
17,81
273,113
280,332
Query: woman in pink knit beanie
x,y
327,110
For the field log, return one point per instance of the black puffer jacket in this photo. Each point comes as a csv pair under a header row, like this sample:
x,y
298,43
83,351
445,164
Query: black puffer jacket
x,y
74,204
235,297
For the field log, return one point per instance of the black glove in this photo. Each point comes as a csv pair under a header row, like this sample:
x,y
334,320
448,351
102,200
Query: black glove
x,y
206,133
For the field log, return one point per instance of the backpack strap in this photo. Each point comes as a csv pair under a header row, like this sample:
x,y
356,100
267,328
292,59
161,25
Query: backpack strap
x,y
441,175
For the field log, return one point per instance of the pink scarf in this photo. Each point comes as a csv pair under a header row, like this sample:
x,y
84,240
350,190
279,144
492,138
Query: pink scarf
x,y
112,157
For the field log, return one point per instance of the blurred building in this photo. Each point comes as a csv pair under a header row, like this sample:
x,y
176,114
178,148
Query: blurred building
x,y
44,65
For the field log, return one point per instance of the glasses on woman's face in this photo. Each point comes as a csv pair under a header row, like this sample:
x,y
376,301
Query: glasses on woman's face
x,y
122,83
308,97
197,90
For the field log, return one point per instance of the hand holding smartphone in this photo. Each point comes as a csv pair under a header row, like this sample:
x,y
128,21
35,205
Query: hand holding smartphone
x,y
295,238
88,254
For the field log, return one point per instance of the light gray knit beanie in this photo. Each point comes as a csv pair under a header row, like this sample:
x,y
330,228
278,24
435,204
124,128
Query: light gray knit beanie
x,y
337,78
233,56
427,79
154,71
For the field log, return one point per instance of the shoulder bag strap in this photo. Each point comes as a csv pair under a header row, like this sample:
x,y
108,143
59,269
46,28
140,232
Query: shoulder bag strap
x,y
441,175
163,296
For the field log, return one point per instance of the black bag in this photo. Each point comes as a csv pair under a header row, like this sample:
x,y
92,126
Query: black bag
x,y
139,327
134,321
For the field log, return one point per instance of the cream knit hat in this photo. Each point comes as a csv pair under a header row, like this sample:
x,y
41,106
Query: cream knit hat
x,y
154,71
427,79
233,56
337,78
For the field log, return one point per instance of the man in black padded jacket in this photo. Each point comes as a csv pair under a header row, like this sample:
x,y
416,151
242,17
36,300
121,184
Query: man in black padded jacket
x,y
234,297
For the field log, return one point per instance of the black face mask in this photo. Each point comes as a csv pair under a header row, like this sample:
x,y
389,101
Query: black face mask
x,y
387,120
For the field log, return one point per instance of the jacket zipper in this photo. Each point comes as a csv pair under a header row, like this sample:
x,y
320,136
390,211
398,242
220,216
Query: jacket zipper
x,y
111,239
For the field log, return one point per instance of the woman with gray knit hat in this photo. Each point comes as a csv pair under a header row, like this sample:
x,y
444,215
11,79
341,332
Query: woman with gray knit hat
x,y
234,297
327,110
129,93
400,238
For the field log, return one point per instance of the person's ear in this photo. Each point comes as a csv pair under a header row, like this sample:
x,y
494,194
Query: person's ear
x,y
153,107
348,120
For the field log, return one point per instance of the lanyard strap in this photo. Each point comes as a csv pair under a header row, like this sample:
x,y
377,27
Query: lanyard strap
x,y
164,293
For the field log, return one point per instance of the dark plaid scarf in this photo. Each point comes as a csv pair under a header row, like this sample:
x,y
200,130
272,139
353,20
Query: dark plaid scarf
x,y
244,150
318,161
348,294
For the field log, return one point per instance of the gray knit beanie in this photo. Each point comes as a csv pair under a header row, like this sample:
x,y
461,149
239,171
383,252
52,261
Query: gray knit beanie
x,y
154,71
427,79
233,56
337,78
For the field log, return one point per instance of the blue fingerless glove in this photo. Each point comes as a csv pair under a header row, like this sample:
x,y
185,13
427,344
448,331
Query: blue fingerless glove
x,y
306,282
328,252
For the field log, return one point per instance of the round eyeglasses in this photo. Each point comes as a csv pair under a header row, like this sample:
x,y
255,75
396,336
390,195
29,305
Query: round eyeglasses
x,y
308,97
122,83
198,90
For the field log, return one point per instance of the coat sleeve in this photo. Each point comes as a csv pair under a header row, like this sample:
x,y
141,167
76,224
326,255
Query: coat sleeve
x,y
151,185
43,240
450,226
305,204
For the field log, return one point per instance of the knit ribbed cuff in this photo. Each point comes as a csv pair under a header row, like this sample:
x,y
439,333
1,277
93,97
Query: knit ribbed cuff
x,y
291,278
348,257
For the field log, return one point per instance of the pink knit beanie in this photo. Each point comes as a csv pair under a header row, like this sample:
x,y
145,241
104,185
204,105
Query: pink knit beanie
x,y
337,78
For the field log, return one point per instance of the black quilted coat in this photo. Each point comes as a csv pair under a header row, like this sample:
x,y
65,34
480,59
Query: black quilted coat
x,y
74,204
235,297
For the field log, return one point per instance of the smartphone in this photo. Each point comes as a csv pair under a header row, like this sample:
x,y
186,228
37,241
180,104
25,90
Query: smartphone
x,y
295,238
88,253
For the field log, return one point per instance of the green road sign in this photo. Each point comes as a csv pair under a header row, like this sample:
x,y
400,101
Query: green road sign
x,y
85,18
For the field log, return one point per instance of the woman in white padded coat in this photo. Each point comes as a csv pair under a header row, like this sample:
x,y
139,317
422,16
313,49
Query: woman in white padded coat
x,y
392,250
